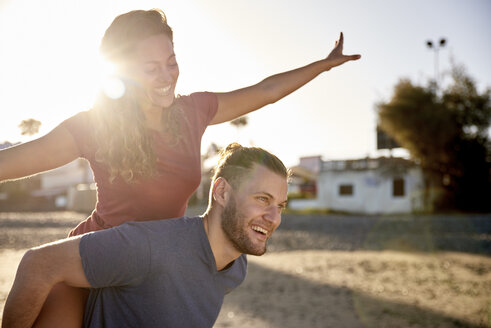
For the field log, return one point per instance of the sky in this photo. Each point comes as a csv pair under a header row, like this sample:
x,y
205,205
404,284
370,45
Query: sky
x,y
50,67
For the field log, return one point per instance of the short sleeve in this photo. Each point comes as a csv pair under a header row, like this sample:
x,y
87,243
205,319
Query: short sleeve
x,y
80,128
206,104
118,256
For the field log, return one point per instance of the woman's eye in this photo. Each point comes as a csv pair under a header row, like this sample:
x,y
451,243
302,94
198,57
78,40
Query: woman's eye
x,y
150,70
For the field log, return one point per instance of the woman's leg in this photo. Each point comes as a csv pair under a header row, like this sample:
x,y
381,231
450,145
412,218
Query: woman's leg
x,y
64,308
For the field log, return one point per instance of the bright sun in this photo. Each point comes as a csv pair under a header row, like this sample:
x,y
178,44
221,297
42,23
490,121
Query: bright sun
x,y
49,63
50,67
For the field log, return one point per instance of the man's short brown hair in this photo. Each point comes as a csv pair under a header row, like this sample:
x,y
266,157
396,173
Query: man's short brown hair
x,y
237,162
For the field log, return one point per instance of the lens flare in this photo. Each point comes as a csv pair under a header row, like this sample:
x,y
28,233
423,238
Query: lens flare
x,y
114,88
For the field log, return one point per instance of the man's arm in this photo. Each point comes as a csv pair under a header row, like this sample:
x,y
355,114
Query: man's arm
x,y
39,270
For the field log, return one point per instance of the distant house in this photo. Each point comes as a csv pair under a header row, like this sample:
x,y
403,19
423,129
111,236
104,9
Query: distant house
x,y
303,183
371,186
60,179
69,186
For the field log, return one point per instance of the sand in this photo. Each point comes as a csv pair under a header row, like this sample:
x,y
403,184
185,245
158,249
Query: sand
x,y
310,278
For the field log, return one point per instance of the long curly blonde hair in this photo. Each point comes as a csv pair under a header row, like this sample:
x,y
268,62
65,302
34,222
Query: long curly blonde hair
x,y
123,142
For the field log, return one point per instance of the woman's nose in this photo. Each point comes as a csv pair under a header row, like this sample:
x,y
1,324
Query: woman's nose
x,y
164,74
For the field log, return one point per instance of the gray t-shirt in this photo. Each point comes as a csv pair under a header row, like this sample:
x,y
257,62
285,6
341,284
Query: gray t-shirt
x,y
155,274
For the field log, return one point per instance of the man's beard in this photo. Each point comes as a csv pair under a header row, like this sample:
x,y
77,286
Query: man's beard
x,y
233,224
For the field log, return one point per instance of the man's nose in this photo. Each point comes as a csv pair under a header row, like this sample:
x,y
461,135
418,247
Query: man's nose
x,y
273,214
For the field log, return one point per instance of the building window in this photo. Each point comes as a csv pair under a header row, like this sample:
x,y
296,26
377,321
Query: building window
x,y
398,187
346,190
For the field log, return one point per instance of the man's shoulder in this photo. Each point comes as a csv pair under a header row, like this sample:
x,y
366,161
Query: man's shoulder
x,y
173,226
184,220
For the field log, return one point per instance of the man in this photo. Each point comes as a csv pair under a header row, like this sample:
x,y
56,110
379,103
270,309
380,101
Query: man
x,y
168,273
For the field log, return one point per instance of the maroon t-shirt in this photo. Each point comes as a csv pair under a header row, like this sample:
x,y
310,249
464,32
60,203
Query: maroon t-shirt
x,y
178,170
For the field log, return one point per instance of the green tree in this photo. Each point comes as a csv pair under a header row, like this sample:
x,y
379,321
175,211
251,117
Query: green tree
x,y
29,126
239,122
447,132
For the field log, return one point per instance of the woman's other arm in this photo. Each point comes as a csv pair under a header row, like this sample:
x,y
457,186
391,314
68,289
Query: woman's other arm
x,y
242,101
48,152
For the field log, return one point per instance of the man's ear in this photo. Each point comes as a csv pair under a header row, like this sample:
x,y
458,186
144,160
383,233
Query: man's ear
x,y
221,191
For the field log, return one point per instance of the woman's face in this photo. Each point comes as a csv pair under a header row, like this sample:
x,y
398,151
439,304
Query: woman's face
x,y
156,71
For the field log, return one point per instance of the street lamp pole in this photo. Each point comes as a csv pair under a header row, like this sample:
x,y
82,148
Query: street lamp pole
x,y
436,47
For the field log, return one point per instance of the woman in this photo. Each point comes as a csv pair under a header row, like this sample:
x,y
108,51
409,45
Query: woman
x,y
143,147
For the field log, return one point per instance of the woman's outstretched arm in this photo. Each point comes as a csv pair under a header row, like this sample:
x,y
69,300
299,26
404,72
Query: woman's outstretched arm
x,y
242,101
48,152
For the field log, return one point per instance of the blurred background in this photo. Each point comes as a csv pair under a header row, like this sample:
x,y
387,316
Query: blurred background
x,y
389,217
420,94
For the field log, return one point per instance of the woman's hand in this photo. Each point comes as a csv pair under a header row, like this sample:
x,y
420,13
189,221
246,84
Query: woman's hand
x,y
336,57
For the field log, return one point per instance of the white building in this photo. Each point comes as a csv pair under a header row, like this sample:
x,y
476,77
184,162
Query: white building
x,y
71,186
371,186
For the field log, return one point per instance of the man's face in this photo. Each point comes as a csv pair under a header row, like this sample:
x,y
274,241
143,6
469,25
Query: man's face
x,y
253,211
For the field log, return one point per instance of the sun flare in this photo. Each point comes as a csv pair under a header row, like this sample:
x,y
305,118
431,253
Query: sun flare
x,y
50,68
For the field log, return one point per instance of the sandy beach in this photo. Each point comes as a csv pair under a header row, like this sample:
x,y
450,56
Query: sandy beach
x,y
333,270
